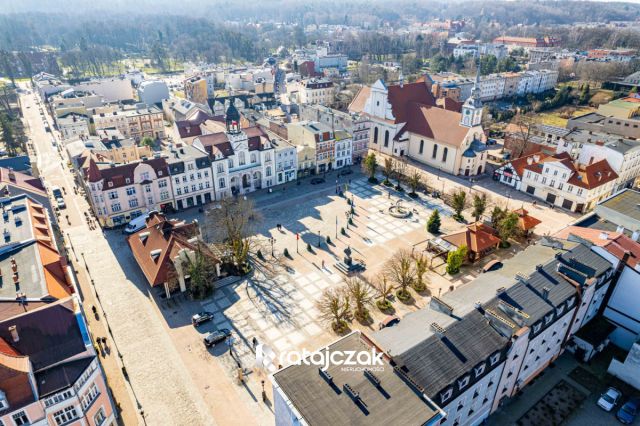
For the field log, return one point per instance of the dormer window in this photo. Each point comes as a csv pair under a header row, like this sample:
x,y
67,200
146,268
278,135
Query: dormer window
x,y
479,370
446,395
462,383
110,184
494,359
548,318
127,180
4,403
537,327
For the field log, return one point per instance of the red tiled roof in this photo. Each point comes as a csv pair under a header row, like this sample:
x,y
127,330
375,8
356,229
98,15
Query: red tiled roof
x,y
525,221
357,104
436,123
401,98
452,105
615,243
593,175
477,237
22,180
519,164
119,174
219,142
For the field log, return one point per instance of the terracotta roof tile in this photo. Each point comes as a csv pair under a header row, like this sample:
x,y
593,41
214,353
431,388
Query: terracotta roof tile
x,y
436,123
477,237
401,98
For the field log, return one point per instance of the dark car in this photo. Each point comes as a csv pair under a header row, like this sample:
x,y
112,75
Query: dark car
x,y
215,337
389,321
345,172
628,412
201,317
316,181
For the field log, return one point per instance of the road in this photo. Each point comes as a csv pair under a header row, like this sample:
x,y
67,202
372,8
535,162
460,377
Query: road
x,y
163,386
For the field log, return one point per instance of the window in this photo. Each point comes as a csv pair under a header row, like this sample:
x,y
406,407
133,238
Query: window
x,y
421,147
116,207
220,168
537,327
147,188
241,159
113,195
570,188
89,396
446,395
386,138
100,417
435,151
221,183
131,190
65,416
253,157
375,135
145,175
133,202
268,171
479,370
20,418
462,383
162,183
178,191
445,151
230,163
494,359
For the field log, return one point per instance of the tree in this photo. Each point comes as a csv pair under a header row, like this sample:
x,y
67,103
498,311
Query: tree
x,y
496,216
518,141
585,94
387,170
200,266
399,168
421,265
508,227
233,224
147,141
414,182
455,259
334,307
433,225
361,297
401,271
479,205
383,287
370,164
459,203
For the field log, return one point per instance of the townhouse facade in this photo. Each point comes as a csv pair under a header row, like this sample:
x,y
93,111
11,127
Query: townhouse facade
x,y
318,141
316,91
119,193
137,122
191,176
72,126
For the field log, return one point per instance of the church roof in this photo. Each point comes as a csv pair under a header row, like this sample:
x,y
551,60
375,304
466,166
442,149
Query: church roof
x,y
435,123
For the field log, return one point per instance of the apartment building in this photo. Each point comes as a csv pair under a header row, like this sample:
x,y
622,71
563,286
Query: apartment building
x,y
115,89
286,158
492,87
51,372
121,192
73,125
316,91
527,42
153,92
199,88
242,160
343,149
136,122
560,181
191,176
321,141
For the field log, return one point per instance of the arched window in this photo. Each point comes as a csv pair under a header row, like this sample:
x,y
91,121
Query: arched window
x,y
386,138
375,135
435,151
253,157
444,154
421,146
241,158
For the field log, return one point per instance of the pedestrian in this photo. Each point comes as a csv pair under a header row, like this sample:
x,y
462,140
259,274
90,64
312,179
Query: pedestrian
x,y
323,264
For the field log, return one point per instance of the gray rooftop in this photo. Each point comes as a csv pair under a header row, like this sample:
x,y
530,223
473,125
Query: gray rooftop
x,y
30,272
323,402
622,208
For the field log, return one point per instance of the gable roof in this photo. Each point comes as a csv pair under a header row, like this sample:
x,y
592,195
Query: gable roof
x,y
218,143
22,180
401,97
118,175
435,123
358,102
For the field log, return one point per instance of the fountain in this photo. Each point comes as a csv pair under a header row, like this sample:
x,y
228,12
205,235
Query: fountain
x,y
399,211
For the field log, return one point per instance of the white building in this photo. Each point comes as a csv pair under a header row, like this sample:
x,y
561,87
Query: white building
x,y
73,125
286,159
492,87
114,89
242,159
153,92
315,91
342,149
133,122
191,176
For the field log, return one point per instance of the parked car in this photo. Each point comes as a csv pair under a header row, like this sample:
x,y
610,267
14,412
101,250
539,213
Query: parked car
x,y
56,191
628,412
215,337
609,399
136,224
60,203
316,181
201,317
345,172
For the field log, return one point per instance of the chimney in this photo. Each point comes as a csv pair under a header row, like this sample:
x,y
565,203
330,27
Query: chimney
x,y
603,236
529,160
14,333
620,229
437,329
635,235
479,307
545,293
536,158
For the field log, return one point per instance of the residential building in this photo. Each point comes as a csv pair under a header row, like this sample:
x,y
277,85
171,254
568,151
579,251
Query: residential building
x,y
595,122
512,172
573,186
286,156
137,122
153,92
405,120
623,156
526,42
615,55
191,176
199,88
73,125
51,374
115,89
342,149
163,248
47,84
15,183
316,91
324,58
242,160
74,101
492,87
380,396
176,109
321,140
19,163
121,192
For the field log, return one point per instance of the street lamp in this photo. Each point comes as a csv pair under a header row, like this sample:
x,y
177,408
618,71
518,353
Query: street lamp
x,y
272,240
318,239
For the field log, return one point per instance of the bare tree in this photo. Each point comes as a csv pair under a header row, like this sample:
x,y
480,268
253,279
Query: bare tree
x,y
361,296
384,288
401,271
233,223
414,181
519,141
421,266
388,170
334,307
399,167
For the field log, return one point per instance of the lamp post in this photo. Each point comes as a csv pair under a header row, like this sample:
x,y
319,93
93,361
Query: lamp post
x,y
272,240
264,394
318,239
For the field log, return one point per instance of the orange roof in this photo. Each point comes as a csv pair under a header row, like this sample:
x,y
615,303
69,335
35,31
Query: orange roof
x,y
525,221
357,104
55,272
477,237
520,163
436,123
615,243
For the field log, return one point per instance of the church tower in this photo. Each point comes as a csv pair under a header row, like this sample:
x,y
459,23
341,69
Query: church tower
x,y
232,119
472,108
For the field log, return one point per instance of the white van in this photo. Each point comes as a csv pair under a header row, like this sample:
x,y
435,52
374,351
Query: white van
x,y
136,224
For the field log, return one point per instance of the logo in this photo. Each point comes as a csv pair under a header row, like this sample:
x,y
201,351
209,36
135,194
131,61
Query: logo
x,y
349,360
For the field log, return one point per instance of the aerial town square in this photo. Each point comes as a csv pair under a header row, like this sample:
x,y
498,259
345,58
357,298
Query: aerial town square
x,y
309,213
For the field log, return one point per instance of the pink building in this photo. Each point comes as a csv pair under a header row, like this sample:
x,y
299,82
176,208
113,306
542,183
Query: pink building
x,y
49,370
